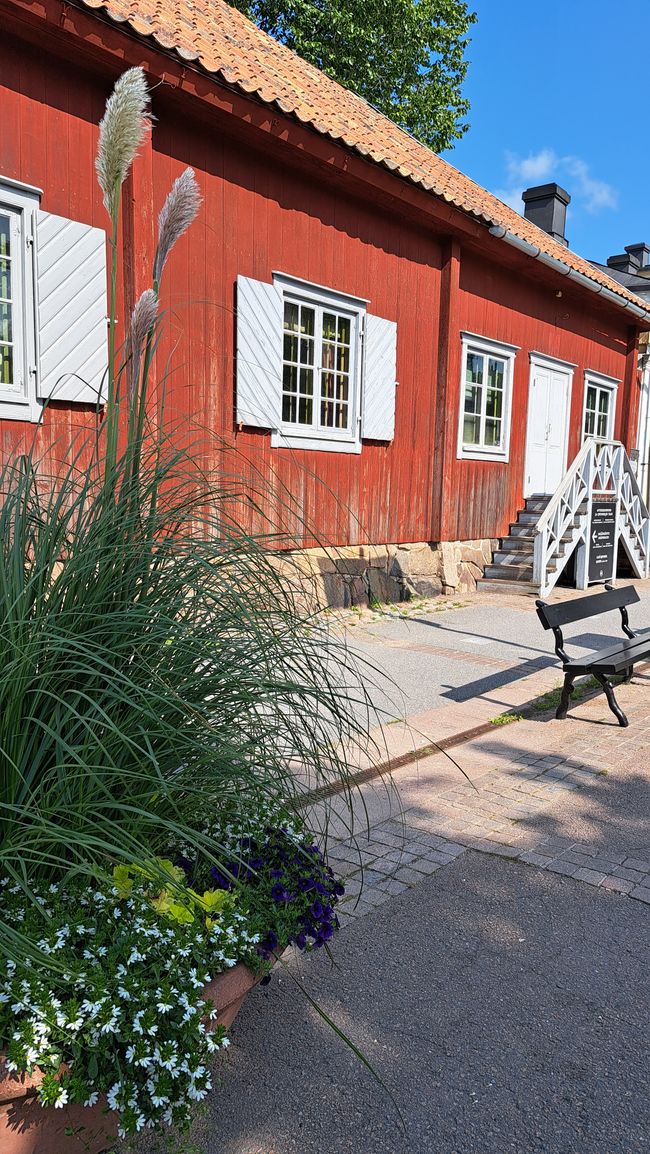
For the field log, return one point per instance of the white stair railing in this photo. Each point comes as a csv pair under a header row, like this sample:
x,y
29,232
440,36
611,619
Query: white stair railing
x,y
602,470
634,517
561,519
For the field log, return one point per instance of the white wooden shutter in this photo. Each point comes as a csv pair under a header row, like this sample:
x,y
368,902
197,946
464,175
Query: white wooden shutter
x,y
72,310
259,354
379,384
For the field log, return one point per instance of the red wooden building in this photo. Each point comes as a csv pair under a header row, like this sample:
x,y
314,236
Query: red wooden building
x,y
406,354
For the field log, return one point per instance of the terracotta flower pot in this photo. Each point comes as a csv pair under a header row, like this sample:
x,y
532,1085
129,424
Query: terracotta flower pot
x,y
228,991
26,1127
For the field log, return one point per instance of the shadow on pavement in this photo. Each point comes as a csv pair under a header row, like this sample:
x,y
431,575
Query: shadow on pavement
x,y
505,1009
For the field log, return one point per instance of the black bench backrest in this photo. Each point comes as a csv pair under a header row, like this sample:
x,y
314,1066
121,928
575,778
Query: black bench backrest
x,y
555,616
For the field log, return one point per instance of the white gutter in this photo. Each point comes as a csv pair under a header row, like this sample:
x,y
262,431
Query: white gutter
x,y
565,270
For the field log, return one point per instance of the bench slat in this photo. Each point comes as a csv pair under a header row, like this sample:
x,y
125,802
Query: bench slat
x,y
552,616
614,659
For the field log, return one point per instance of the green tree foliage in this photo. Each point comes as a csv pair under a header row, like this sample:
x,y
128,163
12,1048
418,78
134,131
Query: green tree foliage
x,y
404,56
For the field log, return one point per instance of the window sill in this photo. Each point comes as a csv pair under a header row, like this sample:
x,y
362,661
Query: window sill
x,y
500,458
281,440
28,411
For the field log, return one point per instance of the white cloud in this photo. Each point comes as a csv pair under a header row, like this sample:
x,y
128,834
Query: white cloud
x,y
595,194
536,167
587,192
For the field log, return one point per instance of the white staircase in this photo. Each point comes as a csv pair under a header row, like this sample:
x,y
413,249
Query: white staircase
x,y
601,471
549,529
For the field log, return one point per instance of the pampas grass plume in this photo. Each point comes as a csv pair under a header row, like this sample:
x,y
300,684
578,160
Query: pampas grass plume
x,y
122,130
176,215
143,320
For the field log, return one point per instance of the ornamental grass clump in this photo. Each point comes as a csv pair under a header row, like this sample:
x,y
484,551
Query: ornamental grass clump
x,y
155,671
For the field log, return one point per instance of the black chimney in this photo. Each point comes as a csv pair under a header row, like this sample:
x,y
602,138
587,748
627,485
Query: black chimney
x,y
546,207
624,262
639,253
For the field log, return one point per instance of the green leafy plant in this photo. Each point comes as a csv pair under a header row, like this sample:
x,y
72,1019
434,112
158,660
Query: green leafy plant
x,y
406,57
506,718
551,699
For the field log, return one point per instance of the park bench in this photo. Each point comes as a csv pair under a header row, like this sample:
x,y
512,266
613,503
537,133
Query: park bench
x,y
614,658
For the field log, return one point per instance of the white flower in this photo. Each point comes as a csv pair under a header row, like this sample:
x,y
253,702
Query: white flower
x,y
93,1099
112,1095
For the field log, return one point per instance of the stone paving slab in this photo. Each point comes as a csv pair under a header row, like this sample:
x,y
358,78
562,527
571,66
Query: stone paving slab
x,y
568,797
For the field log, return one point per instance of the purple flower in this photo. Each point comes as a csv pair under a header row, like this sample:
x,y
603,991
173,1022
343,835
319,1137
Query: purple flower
x,y
305,884
339,889
267,946
301,940
317,911
326,933
276,873
223,882
279,894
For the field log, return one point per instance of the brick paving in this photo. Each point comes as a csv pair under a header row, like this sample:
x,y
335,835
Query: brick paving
x,y
569,797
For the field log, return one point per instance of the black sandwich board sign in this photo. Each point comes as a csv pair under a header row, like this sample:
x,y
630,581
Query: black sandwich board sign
x,y
602,541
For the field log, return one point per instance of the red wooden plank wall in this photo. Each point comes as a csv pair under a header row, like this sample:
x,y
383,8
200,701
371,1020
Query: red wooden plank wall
x,y
259,217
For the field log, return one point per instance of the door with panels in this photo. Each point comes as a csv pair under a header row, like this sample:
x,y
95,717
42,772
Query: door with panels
x,y
547,428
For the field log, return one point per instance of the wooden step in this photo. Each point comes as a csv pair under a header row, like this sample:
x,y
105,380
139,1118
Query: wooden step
x,y
510,557
523,545
491,585
515,572
536,504
518,529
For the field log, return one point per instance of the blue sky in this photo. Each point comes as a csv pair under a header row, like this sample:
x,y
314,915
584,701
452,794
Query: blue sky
x,y
560,90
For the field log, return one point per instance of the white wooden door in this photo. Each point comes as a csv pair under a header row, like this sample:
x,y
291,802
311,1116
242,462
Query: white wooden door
x,y
547,428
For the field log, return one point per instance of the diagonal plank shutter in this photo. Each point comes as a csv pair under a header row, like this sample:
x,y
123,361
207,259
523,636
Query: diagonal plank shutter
x,y
259,354
379,384
72,310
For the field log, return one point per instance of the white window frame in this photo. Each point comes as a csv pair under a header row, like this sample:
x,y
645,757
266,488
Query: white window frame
x,y
484,346
318,437
602,384
19,202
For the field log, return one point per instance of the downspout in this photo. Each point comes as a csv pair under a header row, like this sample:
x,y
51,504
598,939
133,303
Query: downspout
x,y
559,266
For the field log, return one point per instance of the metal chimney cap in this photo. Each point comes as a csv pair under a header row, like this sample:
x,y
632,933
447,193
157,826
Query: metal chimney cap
x,y
546,192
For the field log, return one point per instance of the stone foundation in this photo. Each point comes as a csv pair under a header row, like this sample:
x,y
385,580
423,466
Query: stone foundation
x,y
361,574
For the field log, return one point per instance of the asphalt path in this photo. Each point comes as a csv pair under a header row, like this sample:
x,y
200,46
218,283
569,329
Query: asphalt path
x,y
435,656
506,1011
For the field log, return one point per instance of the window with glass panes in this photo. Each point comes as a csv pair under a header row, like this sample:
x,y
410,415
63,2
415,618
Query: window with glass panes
x,y
485,382
599,410
10,352
317,367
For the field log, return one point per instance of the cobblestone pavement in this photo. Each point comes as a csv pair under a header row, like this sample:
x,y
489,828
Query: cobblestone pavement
x,y
569,797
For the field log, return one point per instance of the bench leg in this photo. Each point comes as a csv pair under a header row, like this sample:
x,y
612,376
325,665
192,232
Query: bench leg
x,y
611,700
569,678
627,676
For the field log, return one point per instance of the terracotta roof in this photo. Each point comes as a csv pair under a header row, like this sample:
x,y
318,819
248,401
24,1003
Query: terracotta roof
x,y
223,42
